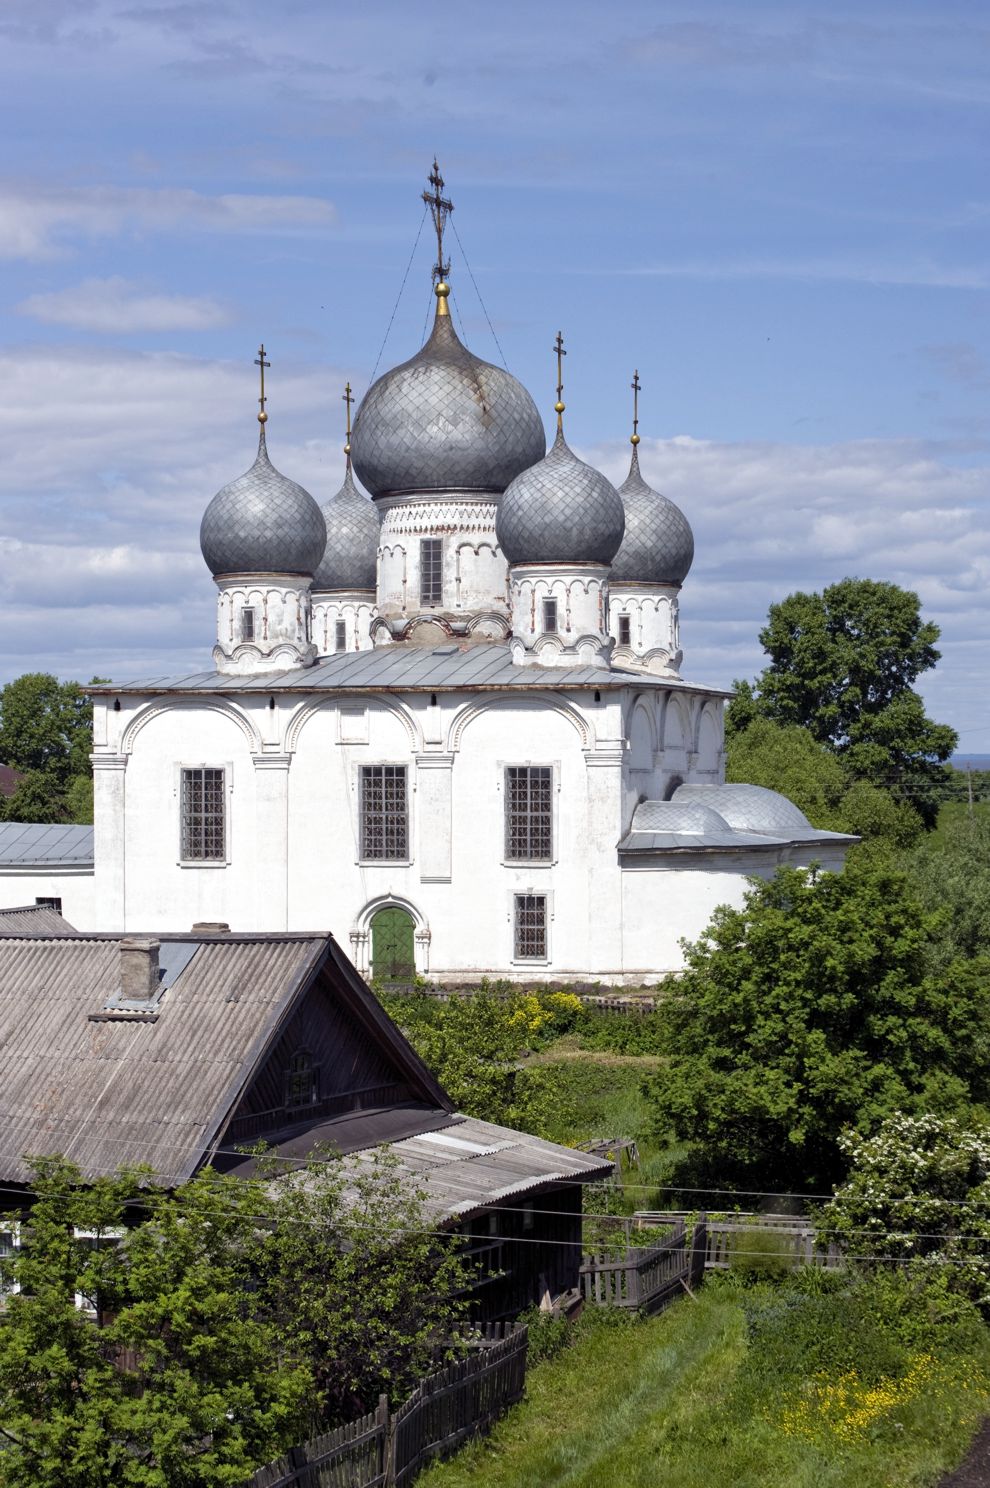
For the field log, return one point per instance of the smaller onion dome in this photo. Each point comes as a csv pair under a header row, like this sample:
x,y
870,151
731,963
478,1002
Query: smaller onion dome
x,y
262,522
560,511
658,546
353,529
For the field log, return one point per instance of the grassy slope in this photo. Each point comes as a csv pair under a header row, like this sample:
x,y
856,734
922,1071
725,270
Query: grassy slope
x,y
653,1404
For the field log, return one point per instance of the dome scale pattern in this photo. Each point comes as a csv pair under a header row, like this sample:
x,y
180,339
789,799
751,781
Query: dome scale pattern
x,y
262,522
445,421
658,546
560,511
353,533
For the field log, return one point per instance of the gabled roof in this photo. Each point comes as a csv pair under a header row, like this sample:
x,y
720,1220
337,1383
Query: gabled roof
x,y
33,919
31,844
159,1087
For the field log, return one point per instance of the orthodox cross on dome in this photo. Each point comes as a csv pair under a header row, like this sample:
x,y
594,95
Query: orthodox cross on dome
x,y
440,208
559,406
635,385
348,398
259,361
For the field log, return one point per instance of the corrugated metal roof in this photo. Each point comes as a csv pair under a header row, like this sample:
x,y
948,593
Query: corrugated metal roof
x,y
32,845
469,1164
121,1092
33,919
402,668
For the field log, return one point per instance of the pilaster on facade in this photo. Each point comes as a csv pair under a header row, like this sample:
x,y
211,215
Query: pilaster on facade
x,y
271,850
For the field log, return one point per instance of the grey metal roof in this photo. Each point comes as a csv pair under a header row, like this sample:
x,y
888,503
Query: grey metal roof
x,y
128,1091
30,845
658,544
694,820
445,421
350,560
560,511
470,1164
401,668
33,919
262,522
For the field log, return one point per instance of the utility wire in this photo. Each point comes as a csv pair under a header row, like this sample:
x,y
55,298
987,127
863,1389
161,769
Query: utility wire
x,y
399,295
478,293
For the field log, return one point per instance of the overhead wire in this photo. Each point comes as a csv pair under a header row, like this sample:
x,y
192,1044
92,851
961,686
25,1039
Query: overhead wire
x,y
398,297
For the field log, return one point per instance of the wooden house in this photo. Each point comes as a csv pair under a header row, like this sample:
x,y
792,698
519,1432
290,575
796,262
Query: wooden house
x,y
182,1050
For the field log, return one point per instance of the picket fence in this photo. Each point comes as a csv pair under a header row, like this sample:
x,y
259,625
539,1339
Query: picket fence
x,y
386,1449
645,1278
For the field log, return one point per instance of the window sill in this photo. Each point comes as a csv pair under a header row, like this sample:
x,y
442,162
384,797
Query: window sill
x,y
384,862
528,863
202,862
530,961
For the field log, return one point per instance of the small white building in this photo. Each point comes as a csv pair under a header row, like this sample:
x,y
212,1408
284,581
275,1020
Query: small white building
x,y
447,724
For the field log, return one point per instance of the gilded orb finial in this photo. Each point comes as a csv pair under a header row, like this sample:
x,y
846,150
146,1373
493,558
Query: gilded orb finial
x,y
260,361
559,406
635,385
348,398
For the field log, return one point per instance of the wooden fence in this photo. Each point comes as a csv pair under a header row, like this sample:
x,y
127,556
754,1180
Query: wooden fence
x,y
386,1449
789,1239
645,1278
634,1002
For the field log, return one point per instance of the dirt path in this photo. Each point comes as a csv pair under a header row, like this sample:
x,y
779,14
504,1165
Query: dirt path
x,y
974,1470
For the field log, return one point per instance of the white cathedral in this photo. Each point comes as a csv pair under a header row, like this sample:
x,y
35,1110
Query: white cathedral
x,y
447,723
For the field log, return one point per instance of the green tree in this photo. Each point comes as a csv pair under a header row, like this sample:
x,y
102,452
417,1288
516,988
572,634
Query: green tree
x,y
842,665
786,758
809,1010
235,1317
46,725
951,873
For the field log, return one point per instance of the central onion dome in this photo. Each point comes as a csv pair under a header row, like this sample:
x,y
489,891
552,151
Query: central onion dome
x,y
445,421
658,546
262,522
353,530
560,511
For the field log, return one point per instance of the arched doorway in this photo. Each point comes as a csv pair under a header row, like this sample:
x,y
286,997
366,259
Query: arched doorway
x,y
393,952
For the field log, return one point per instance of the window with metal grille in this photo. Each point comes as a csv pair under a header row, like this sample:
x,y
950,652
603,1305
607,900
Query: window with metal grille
x,y
550,616
301,1081
430,570
204,835
625,630
531,927
247,625
529,812
50,903
340,635
384,815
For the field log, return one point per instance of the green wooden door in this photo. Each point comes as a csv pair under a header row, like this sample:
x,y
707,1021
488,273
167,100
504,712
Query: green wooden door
x,y
393,956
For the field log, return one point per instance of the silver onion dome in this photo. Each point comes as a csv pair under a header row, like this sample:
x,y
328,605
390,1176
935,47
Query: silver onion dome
x,y
262,522
445,421
658,546
560,511
353,530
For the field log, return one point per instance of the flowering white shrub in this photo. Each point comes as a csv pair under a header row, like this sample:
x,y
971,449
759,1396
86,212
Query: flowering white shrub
x,y
918,1191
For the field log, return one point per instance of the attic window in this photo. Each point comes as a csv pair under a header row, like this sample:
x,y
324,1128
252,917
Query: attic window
x,y
301,1083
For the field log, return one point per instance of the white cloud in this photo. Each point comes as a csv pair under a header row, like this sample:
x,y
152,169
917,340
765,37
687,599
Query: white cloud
x,y
37,223
120,307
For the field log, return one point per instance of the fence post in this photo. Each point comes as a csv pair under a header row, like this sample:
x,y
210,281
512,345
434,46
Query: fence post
x,y
388,1441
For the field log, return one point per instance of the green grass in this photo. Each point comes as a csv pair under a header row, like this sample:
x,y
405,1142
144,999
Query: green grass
x,y
681,1400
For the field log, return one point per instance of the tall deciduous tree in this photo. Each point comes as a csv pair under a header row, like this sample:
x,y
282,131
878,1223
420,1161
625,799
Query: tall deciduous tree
x,y
46,731
843,665
811,1009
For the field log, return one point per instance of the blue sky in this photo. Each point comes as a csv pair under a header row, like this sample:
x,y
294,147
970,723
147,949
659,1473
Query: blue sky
x,y
778,213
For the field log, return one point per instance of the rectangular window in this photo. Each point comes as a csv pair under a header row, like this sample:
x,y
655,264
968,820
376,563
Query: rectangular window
x,y
247,625
430,570
550,617
384,815
340,635
625,630
86,1302
531,927
52,903
204,836
529,813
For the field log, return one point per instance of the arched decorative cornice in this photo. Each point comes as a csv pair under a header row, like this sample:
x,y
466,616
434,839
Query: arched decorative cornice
x,y
202,704
362,922
547,701
302,716
644,702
